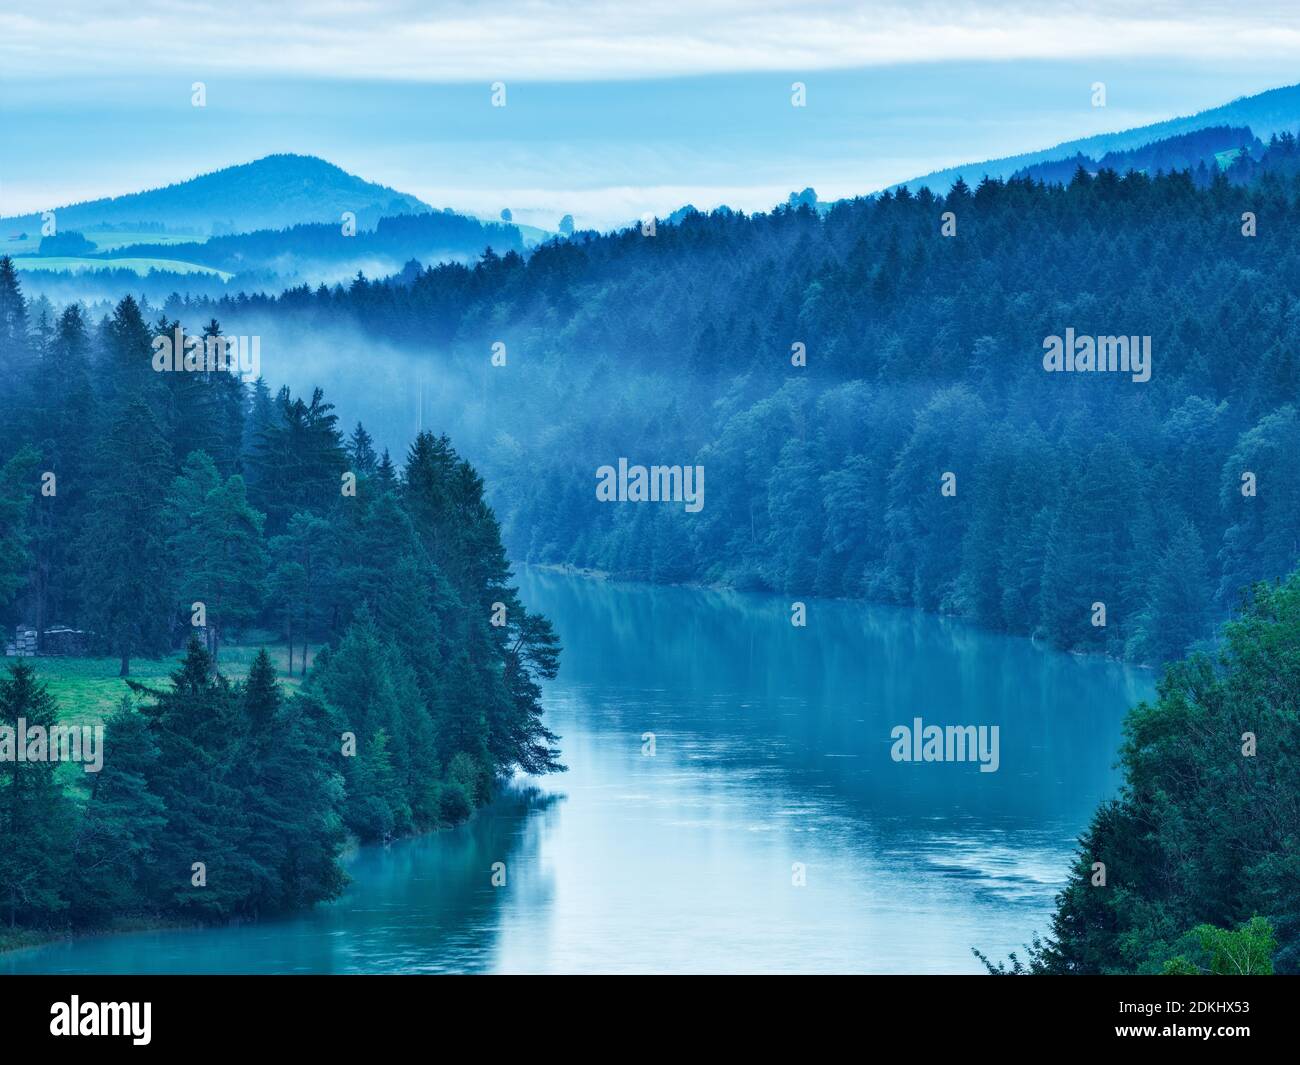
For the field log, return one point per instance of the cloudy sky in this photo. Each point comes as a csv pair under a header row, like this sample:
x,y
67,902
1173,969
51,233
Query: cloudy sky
x,y
612,108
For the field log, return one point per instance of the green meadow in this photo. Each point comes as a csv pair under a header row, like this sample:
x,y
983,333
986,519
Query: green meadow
x,y
140,266
89,689
103,239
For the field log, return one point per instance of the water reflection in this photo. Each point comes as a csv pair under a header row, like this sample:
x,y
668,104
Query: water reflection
x,y
771,767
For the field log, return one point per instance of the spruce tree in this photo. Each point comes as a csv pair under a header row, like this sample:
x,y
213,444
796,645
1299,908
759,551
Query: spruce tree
x,y
35,815
126,580
114,848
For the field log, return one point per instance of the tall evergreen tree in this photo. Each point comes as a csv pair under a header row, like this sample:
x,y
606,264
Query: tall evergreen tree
x,y
34,813
115,841
126,580
215,544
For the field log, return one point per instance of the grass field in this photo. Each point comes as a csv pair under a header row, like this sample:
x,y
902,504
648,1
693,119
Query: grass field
x,y
140,266
88,689
103,239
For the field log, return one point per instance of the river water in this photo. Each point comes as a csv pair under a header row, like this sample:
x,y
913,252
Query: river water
x,y
769,831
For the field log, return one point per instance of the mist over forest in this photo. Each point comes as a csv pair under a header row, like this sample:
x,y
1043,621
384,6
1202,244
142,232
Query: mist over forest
x,y
923,356
901,581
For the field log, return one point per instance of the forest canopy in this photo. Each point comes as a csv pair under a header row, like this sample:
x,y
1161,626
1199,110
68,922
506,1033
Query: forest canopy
x,y
156,511
828,369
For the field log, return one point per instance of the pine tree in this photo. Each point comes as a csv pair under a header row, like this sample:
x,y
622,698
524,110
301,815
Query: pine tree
x,y
67,413
293,801
16,481
126,581
15,350
386,474
203,863
1204,829
1181,595
128,361
216,547
115,841
361,452
298,460
304,574
35,816
361,684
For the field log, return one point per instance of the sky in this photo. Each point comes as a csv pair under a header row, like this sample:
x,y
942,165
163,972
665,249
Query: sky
x,y
611,110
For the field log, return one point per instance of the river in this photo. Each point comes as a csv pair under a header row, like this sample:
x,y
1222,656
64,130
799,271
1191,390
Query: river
x,y
769,830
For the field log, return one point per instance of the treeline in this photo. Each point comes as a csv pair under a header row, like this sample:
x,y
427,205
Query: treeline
x,y
214,801
1196,151
1281,159
148,508
430,236
1195,867
106,285
923,357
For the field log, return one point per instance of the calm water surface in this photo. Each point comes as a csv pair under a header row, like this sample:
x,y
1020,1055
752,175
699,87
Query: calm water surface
x,y
771,748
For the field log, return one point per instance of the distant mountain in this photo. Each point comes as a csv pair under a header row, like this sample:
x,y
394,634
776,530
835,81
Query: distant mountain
x,y
275,192
1266,113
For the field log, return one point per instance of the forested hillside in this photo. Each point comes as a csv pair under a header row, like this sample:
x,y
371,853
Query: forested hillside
x,y
1267,113
924,356
1199,151
431,236
161,510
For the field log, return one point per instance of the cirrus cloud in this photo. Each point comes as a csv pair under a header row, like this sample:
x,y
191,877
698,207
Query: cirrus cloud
x,y
453,40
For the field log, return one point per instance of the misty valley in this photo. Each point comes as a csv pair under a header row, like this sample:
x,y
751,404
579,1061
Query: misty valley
x,y
363,607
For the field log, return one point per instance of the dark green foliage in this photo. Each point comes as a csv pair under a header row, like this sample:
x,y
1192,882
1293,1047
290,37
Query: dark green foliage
x,y
220,800
924,356
1205,830
16,478
297,460
125,580
215,548
114,844
361,452
64,409
197,727
33,810
294,796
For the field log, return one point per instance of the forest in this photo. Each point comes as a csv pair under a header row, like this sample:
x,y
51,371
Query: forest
x,y
864,385
396,238
1193,869
829,369
156,511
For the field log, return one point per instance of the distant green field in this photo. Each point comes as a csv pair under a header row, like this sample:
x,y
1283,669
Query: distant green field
x,y
532,235
103,239
88,689
11,245
140,266
1225,159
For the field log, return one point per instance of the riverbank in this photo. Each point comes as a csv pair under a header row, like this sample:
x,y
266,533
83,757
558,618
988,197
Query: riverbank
x,y
15,939
568,569
766,823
